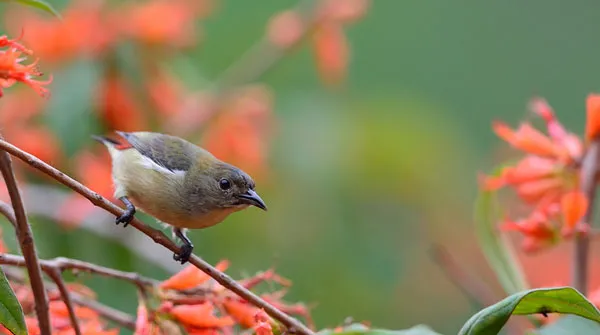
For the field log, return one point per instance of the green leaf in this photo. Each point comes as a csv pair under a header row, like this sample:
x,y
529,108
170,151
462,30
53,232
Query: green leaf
x,y
564,300
40,4
11,313
569,324
359,329
70,110
495,246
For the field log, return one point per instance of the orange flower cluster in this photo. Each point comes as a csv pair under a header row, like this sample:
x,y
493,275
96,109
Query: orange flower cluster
x,y
547,178
12,70
189,302
189,299
89,320
94,28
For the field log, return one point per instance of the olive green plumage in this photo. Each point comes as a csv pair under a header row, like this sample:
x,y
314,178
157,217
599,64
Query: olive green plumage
x,y
176,181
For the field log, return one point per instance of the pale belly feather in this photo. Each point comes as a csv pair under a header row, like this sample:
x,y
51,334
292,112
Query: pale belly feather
x,y
152,192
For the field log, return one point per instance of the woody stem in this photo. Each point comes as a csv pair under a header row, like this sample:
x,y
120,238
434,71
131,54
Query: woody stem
x,y
580,264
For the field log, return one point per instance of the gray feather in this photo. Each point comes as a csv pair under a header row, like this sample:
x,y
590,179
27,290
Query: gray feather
x,y
170,152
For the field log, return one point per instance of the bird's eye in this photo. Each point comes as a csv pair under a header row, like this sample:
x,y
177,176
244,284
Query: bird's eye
x,y
224,184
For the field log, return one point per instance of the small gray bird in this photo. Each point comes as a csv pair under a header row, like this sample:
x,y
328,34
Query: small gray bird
x,y
177,182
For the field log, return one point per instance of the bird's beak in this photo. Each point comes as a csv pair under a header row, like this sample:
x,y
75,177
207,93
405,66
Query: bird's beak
x,y
252,198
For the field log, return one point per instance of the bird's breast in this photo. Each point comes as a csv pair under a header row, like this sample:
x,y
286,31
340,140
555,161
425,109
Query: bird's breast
x,y
212,218
181,219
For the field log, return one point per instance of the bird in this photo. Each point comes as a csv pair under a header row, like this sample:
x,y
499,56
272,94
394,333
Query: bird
x,y
177,182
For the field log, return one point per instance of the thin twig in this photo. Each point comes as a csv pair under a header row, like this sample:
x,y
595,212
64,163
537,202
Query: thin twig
x,y
61,264
107,312
158,237
7,211
580,264
263,56
56,277
474,288
25,238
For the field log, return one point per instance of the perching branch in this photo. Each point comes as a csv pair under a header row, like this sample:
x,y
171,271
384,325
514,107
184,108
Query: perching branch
x,y
589,168
61,264
159,237
25,238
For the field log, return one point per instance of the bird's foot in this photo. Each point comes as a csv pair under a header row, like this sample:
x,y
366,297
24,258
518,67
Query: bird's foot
x,y
129,212
125,218
186,248
184,254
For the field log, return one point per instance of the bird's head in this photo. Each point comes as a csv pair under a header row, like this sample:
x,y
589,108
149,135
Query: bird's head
x,y
228,186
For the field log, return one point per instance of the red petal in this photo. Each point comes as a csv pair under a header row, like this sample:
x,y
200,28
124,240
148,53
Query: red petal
x,y
190,277
592,125
536,190
142,326
200,315
285,29
574,206
331,52
243,312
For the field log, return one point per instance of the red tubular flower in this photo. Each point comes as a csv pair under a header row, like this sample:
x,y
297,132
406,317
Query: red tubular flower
x,y
242,311
142,325
12,71
5,42
574,205
331,52
592,125
176,26
263,324
200,316
285,29
82,30
119,107
537,229
546,178
346,11
190,277
528,139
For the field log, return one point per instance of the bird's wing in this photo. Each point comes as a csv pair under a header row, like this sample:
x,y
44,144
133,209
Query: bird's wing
x,y
168,152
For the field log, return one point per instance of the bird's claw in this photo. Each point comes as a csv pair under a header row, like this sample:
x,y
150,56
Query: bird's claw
x,y
184,254
125,218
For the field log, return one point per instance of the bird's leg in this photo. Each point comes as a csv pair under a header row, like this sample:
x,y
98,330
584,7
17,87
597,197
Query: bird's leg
x,y
129,212
186,248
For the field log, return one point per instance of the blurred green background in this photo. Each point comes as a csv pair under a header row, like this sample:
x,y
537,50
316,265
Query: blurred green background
x,y
366,177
